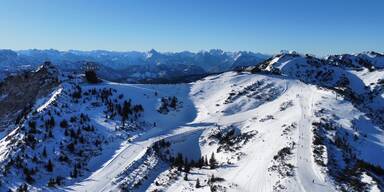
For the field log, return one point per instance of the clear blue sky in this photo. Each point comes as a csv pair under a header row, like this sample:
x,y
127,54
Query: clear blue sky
x,y
310,26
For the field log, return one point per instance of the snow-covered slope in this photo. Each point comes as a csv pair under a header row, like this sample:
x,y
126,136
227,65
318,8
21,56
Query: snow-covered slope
x,y
274,144
294,123
362,87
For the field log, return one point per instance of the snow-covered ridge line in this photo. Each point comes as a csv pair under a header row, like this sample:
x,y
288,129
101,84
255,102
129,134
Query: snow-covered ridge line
x,y
51,99
357,77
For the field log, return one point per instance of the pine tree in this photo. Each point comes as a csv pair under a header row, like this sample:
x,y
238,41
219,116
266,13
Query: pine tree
x,y
28,175
71,147
125,111
187,167
49,166
180,168
197,183
212,179
58,180
185,161
64,123
51,183
32,126
212,161
78,132
50,134
45,152
74,172
200,164
178,160
173,103
52,122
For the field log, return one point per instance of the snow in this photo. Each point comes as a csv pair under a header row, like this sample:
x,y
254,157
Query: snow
x,y
367,179
353,121
251,172
254,165
189,128
205,110
369,77
307,168
51,99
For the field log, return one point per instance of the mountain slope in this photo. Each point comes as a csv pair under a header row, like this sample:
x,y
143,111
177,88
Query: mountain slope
x,y
19,92
292,123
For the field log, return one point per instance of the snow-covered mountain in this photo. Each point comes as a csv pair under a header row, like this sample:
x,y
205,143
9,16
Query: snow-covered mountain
x,y
132,66
292,123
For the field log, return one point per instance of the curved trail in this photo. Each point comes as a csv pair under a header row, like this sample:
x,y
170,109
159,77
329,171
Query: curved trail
x,y
101,180
308,178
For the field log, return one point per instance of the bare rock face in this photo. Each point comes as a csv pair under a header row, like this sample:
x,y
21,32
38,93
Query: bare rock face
x,y
19,92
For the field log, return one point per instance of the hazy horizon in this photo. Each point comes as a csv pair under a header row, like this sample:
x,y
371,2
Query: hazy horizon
x,y
202,50
320,28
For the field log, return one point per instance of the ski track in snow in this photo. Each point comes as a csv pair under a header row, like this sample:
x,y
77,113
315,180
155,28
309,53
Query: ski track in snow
x,y
102,179
308,177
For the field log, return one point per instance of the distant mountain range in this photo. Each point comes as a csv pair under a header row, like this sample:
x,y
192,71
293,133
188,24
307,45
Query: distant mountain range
x,y
131,66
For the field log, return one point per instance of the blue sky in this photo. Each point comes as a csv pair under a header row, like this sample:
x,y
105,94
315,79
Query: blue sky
x,y
312,26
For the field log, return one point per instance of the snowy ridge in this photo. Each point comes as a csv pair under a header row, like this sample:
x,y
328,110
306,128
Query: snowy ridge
x,y
50,100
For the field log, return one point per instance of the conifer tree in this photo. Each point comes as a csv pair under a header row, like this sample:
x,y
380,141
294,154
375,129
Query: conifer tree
x,y
49,166
45,152
197,183
212,161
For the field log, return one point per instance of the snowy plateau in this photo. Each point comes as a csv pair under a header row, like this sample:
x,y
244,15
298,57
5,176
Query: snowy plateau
x,y
288,123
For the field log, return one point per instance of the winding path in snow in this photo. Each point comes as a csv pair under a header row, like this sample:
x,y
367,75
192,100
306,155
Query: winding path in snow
x,y
101,180
308,177
103,177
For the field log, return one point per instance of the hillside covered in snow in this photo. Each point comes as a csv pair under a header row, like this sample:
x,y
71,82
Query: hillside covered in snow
x,y
290,123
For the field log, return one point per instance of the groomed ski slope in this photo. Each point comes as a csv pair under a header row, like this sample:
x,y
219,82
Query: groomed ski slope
x,y
251,172
207,111
306,167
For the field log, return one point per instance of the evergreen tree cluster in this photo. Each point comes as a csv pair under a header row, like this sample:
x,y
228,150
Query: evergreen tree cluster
x,y
115,106
183,164
73,138
91,76
167,104
76,94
